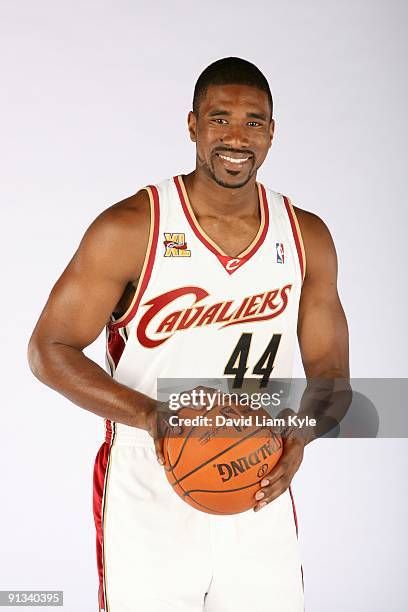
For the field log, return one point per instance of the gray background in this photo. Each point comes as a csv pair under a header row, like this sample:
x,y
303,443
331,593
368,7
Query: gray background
x,y
94,103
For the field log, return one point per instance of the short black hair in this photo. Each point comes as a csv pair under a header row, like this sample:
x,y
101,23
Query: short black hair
x,y
230,71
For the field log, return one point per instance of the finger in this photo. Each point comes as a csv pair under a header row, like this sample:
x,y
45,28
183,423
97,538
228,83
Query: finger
x,y
205,398
289,461
273,493
159,450
162,427
265,492
275,474
280,488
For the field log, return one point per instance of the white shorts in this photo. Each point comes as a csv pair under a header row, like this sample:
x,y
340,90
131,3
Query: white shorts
x,y
155,553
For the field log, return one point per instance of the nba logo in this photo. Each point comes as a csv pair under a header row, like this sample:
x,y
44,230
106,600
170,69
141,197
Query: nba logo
x,y
280,253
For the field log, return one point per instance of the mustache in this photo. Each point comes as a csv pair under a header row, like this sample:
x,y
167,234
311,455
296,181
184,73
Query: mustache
x,y
239,151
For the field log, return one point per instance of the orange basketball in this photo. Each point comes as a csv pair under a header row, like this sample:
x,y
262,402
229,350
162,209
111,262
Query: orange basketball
x,y
216,466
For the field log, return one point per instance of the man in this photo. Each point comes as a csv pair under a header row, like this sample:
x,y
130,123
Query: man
x,y
210,274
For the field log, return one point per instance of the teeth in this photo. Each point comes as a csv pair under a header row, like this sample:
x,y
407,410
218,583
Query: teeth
x,y
234,161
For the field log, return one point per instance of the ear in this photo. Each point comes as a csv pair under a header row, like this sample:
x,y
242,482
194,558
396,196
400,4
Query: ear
x,y
271,131
192,126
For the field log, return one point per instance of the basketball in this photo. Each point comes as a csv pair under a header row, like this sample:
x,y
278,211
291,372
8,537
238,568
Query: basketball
x,y
218,460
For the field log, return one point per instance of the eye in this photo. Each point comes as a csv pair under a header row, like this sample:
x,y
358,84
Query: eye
x,y
253,123
220,121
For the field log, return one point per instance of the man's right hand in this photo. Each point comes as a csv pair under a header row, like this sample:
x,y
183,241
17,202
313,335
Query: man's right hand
x,y
157,422
158,415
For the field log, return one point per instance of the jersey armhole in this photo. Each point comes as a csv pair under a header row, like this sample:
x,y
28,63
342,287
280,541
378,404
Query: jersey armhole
x,y
114,324
297,236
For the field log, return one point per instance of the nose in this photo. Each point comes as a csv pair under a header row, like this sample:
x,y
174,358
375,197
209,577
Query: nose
x,y
235,136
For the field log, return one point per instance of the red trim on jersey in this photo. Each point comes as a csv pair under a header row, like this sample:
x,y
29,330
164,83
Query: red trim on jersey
x,y
295,235
100,468
297,530
115,345
230,264
108,431
143,282
294,510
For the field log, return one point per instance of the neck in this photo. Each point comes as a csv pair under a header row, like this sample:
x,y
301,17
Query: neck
x,y
207,197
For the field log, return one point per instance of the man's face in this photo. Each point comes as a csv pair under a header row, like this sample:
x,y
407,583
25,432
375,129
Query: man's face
x,y
233,133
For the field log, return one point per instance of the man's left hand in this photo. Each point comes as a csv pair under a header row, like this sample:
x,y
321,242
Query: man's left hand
x,y
279,479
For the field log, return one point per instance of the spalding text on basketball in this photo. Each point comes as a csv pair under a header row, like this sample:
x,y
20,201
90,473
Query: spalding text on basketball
x,y
242,464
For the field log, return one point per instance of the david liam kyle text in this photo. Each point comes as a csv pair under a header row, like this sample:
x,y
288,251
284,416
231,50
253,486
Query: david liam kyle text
x,y
254,420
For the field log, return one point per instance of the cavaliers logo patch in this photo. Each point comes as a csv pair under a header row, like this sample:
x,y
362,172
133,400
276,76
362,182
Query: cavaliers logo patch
x,y
175,245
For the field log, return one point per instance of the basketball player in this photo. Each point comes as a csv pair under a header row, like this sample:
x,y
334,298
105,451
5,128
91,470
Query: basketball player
x,y
182,275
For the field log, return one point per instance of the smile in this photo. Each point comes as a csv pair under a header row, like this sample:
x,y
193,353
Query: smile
x,y
239,160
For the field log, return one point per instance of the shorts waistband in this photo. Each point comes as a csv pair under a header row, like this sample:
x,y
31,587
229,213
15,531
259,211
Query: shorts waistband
x,y
124,434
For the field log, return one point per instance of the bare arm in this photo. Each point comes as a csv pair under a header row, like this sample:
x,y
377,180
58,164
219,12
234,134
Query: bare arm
x,y
322,325
323,340
110,255
322,333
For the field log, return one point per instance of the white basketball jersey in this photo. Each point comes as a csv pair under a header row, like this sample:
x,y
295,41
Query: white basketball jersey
x,y
200,314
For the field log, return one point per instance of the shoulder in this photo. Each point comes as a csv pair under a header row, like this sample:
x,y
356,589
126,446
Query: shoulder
x,y
311,225
126,219
320,251
126,216
118,237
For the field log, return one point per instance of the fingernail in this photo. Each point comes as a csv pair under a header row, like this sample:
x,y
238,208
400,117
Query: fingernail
x,y
160,460
260,495
264,483
262,504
